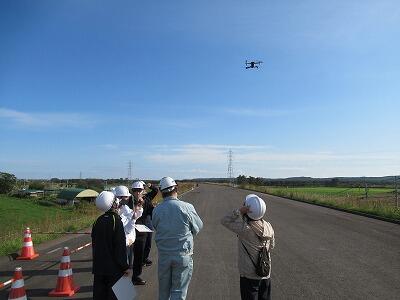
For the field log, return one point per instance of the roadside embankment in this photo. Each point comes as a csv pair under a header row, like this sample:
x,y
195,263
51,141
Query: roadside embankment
x,y
379,204
46,219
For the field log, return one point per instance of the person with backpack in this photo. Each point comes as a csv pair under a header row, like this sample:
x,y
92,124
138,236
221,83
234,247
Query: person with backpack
x,y
255,240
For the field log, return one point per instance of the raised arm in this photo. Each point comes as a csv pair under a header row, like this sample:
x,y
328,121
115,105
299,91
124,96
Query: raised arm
x,y
233,222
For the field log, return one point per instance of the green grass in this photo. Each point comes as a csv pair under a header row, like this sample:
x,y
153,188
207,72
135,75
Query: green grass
x,y
337,191
45,216
381,201
41,216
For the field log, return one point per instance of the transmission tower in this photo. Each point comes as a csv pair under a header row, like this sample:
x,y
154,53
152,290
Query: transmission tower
x,y
130,170
230,167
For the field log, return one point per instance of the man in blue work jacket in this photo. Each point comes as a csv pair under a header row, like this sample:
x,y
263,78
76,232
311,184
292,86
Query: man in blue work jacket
x,y
175,223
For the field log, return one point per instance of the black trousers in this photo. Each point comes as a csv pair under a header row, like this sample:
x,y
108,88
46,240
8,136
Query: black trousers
x,y
254,289
129,254
102,287
138,254
147,246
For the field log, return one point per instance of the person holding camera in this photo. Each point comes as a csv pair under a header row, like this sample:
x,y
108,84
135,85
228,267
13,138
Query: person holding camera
x,y
138,188
128,217
254,235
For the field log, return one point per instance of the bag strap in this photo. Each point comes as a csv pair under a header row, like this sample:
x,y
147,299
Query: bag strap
x,y
113,223
263,242
255,266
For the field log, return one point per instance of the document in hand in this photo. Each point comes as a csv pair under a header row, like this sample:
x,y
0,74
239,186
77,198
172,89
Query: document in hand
x,y
142,228
124,289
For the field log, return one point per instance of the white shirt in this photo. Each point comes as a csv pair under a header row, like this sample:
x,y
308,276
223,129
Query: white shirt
x,y
128,218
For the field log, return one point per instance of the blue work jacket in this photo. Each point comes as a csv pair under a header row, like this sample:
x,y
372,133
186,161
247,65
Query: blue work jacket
x,y
175,223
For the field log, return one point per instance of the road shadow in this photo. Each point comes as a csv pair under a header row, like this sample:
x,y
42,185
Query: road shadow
x,y
37,292
81,260
4,293
72,260
46,272
86,289
45,292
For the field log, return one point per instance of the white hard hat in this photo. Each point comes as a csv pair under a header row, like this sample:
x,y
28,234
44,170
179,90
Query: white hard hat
x,y
105,200
138,185
121,191
256,205
167,184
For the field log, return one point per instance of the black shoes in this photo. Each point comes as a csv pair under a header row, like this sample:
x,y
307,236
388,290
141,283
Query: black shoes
x,y
139,281
147,262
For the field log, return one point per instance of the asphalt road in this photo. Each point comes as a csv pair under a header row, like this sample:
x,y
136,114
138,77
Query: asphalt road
x,y
320,254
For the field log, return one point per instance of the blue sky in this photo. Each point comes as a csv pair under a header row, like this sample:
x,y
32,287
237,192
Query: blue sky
x,y
86,86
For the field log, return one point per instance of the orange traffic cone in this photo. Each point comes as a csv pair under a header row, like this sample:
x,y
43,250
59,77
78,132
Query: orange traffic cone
x,y
65,283
17,287
27,251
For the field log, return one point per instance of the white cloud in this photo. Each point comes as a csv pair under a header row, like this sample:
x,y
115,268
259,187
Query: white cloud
x,y
26,119
209,153
265,161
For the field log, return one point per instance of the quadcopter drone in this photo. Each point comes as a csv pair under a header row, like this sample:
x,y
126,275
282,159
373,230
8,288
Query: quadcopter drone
x,y
253,64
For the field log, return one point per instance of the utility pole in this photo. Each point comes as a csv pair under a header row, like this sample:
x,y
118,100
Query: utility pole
x,y
366,189
80,175
230,167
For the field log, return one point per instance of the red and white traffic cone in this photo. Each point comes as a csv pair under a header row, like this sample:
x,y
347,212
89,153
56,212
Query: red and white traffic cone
x,y
27,251
17,291
65,283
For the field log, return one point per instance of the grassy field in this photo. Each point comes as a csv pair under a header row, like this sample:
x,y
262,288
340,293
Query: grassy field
x,y
44,216
41,216
380,201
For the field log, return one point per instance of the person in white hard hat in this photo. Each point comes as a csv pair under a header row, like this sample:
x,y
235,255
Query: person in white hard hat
x,y
176,223
128,218
252,232
108,247
139,247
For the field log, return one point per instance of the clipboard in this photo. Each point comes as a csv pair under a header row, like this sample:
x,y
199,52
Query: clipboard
x,y
124,289
142,228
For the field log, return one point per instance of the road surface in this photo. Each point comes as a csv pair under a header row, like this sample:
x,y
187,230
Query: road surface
x,y
320,254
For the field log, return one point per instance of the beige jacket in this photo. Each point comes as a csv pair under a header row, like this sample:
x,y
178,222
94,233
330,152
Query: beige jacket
x,y
249,234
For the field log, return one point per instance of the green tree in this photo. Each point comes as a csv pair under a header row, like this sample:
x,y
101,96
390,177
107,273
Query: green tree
x,y
241,179
7,182
36,185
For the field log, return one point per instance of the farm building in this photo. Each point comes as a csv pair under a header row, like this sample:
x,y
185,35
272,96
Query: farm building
x,y
71,195
29,193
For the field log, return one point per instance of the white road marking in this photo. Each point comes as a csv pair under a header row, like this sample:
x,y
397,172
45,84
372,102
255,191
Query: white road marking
x,y
53,250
